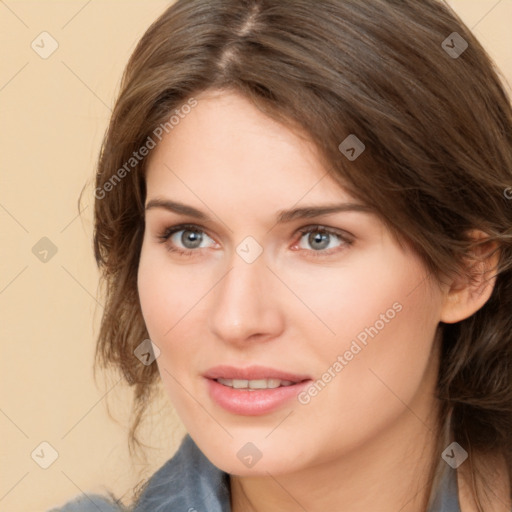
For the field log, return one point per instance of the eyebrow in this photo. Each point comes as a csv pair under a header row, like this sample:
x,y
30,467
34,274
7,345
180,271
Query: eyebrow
x,y
283,216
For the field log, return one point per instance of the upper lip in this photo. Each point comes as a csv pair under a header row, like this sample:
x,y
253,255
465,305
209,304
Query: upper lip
x,y
252,373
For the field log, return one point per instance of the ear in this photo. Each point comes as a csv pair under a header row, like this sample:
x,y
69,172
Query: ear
x,y
471,289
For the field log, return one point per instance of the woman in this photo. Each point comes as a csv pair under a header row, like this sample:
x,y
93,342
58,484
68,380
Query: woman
x,y
306,209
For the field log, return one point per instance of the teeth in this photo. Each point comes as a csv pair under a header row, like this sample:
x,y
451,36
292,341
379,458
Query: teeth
x,y
254,384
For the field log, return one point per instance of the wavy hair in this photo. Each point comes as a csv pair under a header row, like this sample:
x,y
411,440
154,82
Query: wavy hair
x,y
437,127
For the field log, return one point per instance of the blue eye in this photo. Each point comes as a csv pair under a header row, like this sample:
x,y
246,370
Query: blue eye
x,y
322,240
319,240
190,239
188,236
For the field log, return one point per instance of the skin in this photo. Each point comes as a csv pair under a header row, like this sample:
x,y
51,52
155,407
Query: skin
x,y
365,441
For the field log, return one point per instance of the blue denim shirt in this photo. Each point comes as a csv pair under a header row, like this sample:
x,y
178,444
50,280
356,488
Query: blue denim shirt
x,y
189,482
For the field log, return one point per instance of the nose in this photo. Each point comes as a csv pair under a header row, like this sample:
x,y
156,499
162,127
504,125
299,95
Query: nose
x,y
245,304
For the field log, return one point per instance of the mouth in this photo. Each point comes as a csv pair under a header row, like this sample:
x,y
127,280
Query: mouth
x,y
252,391
253,385
253,376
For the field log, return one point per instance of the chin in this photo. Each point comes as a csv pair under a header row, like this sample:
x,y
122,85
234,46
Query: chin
x,y
235,457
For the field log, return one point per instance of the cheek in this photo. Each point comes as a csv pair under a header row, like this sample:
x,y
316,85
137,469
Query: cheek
x,y
374,290
166,293
391,376
152,286
163,298
382,314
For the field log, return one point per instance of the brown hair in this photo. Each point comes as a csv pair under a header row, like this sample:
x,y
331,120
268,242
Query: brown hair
x,y
438,161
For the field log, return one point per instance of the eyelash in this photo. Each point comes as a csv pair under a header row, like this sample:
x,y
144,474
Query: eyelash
x,y
346,240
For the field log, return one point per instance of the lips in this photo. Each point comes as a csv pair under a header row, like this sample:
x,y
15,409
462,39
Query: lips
x,y
233,388
253,373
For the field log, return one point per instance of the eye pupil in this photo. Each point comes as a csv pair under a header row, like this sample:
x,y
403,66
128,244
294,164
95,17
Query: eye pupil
x,y
191,237
319,238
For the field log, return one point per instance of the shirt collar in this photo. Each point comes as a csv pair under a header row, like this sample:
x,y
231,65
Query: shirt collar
x,y
191,483
187,482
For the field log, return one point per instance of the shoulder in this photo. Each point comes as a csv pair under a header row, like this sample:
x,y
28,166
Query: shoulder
x,y
90,503
187,481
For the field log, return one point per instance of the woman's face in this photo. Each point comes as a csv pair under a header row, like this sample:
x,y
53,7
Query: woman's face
x,y
257,278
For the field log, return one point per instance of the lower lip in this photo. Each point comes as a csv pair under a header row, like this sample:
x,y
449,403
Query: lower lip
x,y
253,403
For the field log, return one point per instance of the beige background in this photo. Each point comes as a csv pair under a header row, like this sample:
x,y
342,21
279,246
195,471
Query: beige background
x,y
53,114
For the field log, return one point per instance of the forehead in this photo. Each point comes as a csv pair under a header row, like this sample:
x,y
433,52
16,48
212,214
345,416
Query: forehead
x,y
226,146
